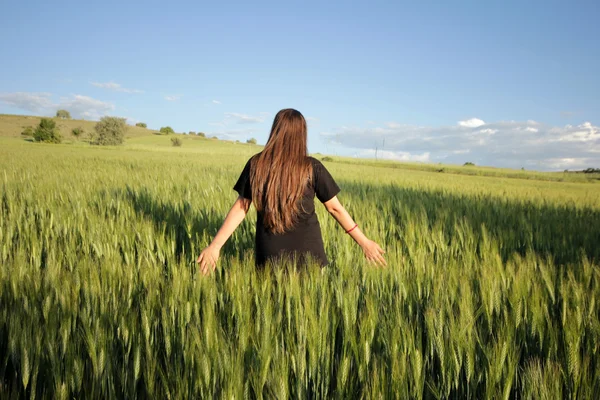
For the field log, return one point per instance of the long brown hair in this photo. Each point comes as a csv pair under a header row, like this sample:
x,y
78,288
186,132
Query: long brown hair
x,y
278,174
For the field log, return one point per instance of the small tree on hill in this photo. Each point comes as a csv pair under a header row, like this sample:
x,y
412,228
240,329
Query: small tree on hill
x,y
192,133
251,141
47,132
166,130
63,114
202,134
109,131
78,132
141,125
469,164
27,131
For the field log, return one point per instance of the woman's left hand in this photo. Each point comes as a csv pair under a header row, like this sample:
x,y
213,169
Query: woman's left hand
x,y
208,259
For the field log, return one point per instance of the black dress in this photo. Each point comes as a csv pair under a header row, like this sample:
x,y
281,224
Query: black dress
x,y
304,238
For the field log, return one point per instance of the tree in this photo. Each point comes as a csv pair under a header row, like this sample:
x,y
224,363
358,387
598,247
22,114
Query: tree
x,y
192,133
47,132
251,141
78,132
28,131
166,130
109,131
202,134
469,164
141,125
63,114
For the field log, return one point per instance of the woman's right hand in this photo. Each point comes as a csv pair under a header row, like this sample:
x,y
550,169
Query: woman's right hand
x,y
373,252
207,260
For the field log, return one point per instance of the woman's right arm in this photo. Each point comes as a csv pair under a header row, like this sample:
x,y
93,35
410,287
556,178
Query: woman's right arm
x,y
373,252
209,256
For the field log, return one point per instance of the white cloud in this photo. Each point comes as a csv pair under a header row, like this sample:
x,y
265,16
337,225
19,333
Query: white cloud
x,y
34,102
172,98
244,118
392,125
132,121
115,87
471,123
41,103
510,144
394,155
235,134
85,106
216,102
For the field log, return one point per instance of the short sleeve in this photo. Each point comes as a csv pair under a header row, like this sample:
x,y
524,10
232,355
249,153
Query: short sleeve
x,y
242,186
325,186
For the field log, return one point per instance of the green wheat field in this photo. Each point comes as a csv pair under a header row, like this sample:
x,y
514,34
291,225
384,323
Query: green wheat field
x,y
491,290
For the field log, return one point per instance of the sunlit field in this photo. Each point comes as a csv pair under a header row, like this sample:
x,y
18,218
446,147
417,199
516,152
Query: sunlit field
x,y
491,290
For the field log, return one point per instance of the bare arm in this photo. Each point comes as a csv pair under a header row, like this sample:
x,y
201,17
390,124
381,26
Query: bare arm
x,y
235,216
373,252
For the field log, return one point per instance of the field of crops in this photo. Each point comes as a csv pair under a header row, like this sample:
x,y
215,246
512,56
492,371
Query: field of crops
x,y
491,290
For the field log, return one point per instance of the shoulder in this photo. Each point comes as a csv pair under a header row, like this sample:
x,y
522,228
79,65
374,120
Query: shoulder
x,y
252,159
315,162
319,171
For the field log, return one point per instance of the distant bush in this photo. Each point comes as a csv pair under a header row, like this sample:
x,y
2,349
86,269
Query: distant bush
x,y
192,133
468,164
78,132
176,142
591,171
109,131
166,130
214,138
47,132
251,141
327,158
63,114
201,134
28,131
141,125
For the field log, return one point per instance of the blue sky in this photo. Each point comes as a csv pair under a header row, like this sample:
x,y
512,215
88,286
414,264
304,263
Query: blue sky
x,y
511,84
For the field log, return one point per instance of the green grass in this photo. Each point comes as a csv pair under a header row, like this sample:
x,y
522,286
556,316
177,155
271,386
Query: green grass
x,y
491,291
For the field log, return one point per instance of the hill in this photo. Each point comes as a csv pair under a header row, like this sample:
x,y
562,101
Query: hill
x,y
13,125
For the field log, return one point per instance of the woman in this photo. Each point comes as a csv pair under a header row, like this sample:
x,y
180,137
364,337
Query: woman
x,y
282,181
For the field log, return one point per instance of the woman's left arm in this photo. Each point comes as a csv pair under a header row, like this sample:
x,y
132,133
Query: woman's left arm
x,y
209,256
